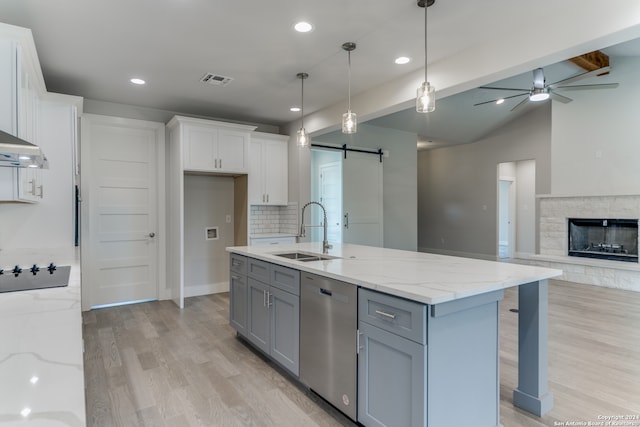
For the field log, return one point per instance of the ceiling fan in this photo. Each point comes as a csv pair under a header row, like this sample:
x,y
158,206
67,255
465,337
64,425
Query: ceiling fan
x,y
541,91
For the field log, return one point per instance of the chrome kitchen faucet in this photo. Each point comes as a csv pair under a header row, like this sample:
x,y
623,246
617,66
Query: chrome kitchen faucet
x,y
325,243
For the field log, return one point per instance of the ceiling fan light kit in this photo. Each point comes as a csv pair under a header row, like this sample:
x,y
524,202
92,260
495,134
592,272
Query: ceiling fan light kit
x,y
426,94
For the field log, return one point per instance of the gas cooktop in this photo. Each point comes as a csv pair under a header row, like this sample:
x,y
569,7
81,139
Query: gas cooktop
x,y
34,277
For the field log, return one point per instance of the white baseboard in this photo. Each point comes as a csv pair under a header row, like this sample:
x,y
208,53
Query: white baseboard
x,y
212,288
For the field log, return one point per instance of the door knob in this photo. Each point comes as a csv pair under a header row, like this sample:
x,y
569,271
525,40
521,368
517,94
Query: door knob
x,y
152,234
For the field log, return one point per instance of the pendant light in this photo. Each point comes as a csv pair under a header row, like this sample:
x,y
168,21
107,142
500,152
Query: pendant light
x,y
426,94
302,138
349,119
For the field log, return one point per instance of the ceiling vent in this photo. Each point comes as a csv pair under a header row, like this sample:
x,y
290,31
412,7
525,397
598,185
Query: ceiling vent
x,y
216,79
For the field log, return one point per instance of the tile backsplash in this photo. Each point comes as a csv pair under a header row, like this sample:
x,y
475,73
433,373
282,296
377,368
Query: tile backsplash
x,y
274,219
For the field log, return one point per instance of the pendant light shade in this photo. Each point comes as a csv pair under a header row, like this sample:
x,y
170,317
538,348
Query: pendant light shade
x,y
426,94
302,137
349,119
426,98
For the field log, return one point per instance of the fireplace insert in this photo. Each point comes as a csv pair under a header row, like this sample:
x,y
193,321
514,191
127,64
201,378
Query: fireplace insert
x,y
604,238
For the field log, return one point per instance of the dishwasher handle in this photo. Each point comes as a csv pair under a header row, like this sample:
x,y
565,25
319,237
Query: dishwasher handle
x,y
326,292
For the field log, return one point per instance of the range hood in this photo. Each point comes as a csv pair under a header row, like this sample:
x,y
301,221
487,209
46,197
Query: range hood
x,y
18,153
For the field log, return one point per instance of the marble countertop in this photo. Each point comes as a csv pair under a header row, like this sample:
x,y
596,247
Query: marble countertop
x,y
418,276
41,361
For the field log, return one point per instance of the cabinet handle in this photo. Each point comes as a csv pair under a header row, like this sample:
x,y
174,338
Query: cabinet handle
x,y
33,187
358,346
269,303
264,298
385,314
235,277
267,198
220,163
41,187
346,220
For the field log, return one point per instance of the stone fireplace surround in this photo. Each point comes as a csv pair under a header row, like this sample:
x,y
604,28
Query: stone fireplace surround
x,y
554,212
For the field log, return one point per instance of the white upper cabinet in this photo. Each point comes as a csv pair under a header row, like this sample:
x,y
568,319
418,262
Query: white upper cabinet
x,y
210,146
268,169
18,116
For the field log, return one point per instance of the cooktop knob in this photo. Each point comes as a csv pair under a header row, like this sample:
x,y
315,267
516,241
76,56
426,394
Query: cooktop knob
x,y
34,269
51,268
16,270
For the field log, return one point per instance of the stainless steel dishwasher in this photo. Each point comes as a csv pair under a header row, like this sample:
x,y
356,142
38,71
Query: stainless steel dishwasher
x,y
328,322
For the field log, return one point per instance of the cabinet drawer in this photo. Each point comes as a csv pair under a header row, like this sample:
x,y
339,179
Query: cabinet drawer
x,y
259,270
286,279
397,315
238,264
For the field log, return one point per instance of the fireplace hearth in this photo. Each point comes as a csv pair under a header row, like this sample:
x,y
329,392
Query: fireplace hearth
x,y
604,238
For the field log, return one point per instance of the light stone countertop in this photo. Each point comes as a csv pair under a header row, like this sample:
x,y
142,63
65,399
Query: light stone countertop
x,y
41,361
422,277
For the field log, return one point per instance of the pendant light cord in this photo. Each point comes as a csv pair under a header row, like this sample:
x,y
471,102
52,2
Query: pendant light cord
x,y
349,52
426,6
302,104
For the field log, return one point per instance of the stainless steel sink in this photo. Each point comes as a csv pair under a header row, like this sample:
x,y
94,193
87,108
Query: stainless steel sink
x,y
305,256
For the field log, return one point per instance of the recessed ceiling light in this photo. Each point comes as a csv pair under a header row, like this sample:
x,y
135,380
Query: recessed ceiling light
x,y
500,101
303,27
137,81
294,109
402,60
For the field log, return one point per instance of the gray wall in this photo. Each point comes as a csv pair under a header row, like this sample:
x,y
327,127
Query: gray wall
x,y
399,179
207,201
595,138
458,191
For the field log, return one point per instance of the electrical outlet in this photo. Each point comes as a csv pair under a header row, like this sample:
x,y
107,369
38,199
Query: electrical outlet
x,y
228,219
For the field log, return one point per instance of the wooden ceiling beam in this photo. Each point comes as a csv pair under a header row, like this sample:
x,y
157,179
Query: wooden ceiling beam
x,y
592,61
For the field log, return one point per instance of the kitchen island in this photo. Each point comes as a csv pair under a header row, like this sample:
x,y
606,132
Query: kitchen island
x,y
41,362
455,356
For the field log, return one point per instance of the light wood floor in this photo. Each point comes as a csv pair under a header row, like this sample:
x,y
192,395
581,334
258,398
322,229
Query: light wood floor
x,y
151,364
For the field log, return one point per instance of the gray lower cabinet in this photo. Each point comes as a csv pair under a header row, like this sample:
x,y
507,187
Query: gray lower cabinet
x,y
392,379
418,364
392,369
238,293
273,318
238,306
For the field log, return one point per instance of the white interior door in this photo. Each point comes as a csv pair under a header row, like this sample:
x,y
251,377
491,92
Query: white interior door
x,y
362,206
120,209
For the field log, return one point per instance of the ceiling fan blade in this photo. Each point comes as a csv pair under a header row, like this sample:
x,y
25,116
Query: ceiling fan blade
x,y
580,77
584,87
520,104
505,98
561,98
504,88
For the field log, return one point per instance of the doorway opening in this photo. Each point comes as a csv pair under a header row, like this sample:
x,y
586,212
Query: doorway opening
x,y
516,222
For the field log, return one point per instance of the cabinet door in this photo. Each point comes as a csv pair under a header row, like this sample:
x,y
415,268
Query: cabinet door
x,y
200,146
238,302
8,87
275,164
233,147
258,324
285,329
256,174
391,379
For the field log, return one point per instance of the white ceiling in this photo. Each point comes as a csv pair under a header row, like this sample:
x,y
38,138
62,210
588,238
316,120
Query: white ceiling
x,y
91,48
